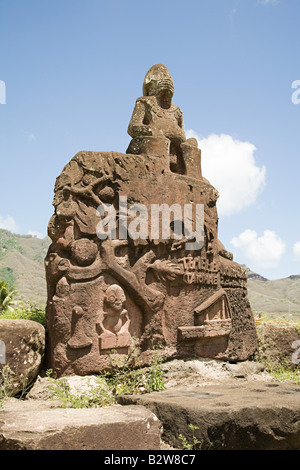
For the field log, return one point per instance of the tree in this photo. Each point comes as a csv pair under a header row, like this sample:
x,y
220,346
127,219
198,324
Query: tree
x,y
7,296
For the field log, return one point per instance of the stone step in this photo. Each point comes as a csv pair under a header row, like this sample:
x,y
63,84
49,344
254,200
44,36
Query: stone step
x,y
32,425
230,416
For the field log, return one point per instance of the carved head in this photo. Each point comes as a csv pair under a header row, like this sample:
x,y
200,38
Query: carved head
x,y
115,297
84,252
158,80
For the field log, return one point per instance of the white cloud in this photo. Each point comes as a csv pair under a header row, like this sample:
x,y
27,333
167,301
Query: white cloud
x,y
269,2
232,13
296,251
31,137
35,234
230,166
8,223
262,252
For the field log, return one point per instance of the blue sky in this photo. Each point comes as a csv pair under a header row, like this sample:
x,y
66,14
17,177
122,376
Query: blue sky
x,y
73,69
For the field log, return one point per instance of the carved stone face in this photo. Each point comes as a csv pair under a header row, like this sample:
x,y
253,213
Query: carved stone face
x,y
115,297
158,81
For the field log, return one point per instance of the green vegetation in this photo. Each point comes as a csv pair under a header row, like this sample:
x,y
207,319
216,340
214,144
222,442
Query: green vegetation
x,y
281,370
22,265
124,378
32,247
7,385
6,380
13,309
282,373
7,275
121,378
27,311
8,242
7,297
96,395
195,444
280,320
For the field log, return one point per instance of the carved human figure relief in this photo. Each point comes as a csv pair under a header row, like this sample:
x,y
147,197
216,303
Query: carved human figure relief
x,y
156,118
114,320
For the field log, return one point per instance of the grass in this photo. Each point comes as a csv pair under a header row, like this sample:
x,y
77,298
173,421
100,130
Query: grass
x,y
6,384
124,377
121,378
281,370
282,374
28,311
280,320
95,394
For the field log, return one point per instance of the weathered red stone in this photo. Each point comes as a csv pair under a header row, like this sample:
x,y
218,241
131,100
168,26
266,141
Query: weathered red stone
x,y
118,292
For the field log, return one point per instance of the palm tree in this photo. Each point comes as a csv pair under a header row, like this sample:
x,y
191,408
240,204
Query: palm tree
x,y
7,295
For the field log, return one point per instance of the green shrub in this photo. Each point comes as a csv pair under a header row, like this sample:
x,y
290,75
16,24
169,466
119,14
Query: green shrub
x,y
27,312
7,297
125,378
7,275
96,396
121,378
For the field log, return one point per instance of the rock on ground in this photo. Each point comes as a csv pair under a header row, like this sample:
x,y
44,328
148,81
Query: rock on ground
x,y
236,406
31,425
203,371
235,415
23,344
77,385
277,344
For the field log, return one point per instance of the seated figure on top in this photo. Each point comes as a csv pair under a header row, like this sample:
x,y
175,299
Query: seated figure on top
x,y
156,122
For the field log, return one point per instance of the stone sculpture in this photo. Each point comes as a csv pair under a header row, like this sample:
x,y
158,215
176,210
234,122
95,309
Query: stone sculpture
x,y
107,291
114,322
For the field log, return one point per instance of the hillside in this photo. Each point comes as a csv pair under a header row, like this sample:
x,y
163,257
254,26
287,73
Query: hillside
x,y
277,297
22,264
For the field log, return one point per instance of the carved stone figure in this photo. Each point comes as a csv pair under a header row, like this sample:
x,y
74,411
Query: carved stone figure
x,y
185,296
114,320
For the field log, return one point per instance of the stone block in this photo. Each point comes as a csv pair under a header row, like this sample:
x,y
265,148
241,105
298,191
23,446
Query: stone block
x,y
36,426
22,350
245,415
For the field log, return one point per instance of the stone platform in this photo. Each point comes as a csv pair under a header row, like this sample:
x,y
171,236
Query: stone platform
x,y
237,415
235,406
